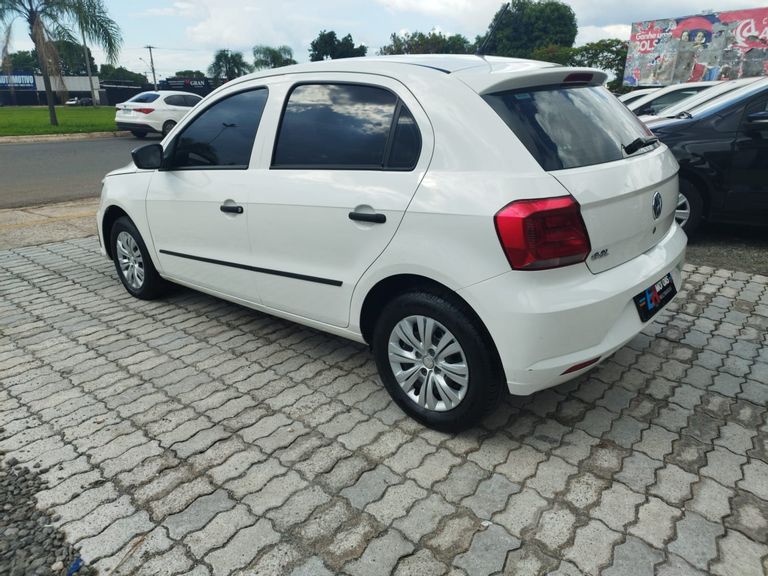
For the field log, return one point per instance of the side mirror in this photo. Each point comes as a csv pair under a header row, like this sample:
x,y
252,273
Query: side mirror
x,y
758,119
149,157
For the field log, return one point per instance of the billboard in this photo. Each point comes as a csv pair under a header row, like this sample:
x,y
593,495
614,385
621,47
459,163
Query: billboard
x,y
715,46
17,81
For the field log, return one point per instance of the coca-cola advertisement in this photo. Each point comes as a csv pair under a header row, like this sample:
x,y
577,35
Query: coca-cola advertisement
x,y
713,46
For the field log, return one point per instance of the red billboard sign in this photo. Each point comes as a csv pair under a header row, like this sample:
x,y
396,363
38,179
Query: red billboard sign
x,y
716,46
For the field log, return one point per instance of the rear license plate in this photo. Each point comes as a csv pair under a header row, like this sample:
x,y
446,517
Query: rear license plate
x,y
653,299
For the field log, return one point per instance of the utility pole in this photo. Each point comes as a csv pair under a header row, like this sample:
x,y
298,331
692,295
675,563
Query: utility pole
x,y
152,65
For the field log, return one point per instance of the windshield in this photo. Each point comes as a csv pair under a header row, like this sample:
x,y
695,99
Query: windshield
x,y
705,96
568,127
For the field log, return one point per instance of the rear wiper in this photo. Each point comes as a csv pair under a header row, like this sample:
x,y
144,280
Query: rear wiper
x,y
684,114
639,143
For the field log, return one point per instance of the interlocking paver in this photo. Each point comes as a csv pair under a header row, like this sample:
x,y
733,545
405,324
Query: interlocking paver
x,y
696,540
488,551
592,546
263,447
634,557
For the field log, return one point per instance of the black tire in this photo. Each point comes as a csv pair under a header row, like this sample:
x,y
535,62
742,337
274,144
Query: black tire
x,y
168,126
484,381
152,285
696,205
138,134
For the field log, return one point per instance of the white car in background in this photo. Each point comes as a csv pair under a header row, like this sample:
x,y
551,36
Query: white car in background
x,y
483,223
657,100
153,111
701,98
635,94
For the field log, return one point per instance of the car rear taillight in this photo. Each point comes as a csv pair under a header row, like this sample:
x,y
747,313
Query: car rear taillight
x,y
542,234
144,110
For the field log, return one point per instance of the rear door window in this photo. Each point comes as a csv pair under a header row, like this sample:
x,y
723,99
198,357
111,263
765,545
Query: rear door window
x,y
346,126
175,100
568,127
190,100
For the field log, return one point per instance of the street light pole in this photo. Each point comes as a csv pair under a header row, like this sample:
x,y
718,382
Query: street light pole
x,y
152,65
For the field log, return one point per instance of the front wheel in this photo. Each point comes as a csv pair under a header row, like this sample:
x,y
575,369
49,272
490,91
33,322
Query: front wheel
x,y
132,262
138,134
436,361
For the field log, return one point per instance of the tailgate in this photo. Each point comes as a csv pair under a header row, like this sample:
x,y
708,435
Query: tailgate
x,y
627,205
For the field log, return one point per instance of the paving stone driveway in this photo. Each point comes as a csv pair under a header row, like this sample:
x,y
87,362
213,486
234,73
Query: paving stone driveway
x,y
193,436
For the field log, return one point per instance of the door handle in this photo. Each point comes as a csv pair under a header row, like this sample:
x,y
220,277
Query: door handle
x,y
367,217
231,208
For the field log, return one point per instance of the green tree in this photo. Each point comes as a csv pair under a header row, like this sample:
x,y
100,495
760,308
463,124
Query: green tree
x,y
228,65
108,72
327,46
609,55
189,74
71,58
432,43
553,53
272,57
51,20
23,60
528,25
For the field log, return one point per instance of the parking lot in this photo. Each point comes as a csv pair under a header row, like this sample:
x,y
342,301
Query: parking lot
x,y
190,435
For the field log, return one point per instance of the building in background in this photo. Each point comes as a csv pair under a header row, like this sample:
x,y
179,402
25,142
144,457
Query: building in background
x,y
26,89
714,46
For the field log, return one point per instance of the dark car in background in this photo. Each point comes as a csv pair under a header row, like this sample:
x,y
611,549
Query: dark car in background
x,y
722,149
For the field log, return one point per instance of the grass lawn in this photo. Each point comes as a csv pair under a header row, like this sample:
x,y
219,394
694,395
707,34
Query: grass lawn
x,y
27,120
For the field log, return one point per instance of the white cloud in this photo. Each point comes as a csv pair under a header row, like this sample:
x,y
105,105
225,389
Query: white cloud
x,y
594,33
472,16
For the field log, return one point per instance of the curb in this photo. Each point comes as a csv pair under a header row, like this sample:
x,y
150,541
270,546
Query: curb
x,y
61,137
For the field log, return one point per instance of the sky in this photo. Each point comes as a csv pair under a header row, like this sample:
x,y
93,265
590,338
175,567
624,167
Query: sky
x,y
188,32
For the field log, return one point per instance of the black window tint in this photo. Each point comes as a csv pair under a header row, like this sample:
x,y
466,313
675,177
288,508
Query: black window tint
x,y
190,100
223,134
406,145
145,97
568,127
175,100
335,125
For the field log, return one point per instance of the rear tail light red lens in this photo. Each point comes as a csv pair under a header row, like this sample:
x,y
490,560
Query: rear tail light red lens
x,y
144,110
542,234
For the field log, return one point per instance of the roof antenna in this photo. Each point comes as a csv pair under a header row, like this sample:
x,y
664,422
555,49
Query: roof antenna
x,y
481,50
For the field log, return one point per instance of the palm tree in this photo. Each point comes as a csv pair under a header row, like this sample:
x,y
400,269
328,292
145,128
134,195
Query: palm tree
x,y
93,20
228,65
50,20
269,57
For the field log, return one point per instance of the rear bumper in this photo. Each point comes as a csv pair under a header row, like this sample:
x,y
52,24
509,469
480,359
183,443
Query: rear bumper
x,y
545,322
136,127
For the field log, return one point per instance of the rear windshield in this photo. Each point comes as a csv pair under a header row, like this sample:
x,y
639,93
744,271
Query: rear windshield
x,y
568,127
145,97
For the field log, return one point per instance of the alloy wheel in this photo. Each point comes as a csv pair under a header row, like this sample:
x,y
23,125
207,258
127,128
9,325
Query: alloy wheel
x,y
683,210
428,363
130,260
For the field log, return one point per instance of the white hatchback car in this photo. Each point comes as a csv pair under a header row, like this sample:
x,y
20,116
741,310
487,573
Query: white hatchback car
x,y
154,111
481,223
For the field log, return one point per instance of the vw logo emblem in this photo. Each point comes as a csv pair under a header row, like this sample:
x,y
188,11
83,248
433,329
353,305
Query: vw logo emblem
x,y
656,205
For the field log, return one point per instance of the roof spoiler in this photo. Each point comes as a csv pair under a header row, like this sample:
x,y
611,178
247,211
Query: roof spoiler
x,y
501,80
